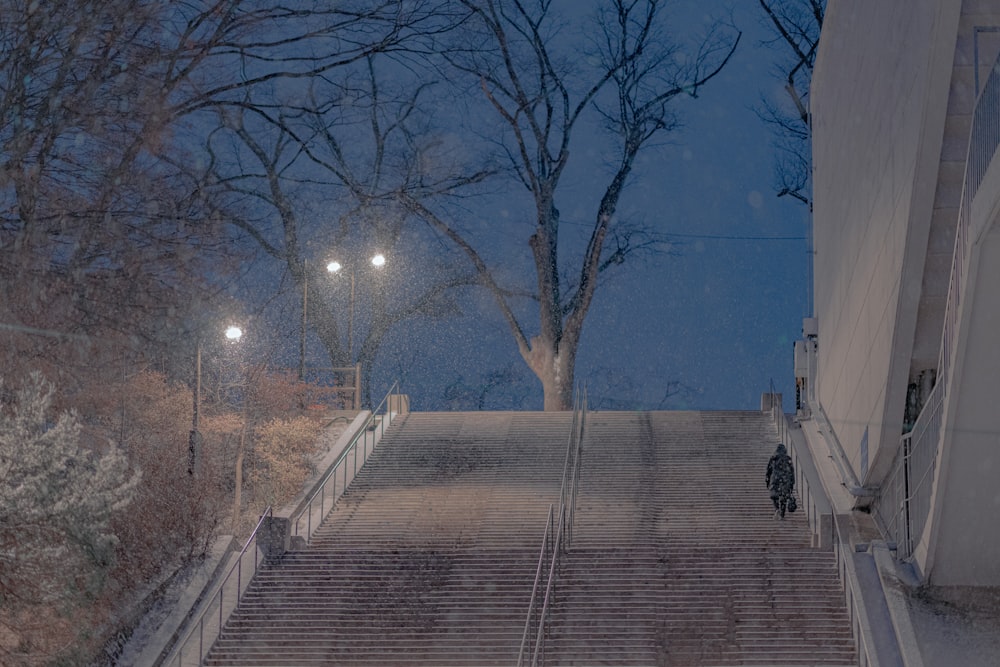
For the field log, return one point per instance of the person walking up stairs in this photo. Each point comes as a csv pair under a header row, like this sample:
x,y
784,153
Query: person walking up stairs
x,y
676,560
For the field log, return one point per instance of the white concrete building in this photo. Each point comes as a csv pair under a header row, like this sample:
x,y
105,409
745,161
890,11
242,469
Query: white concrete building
x,y
905,363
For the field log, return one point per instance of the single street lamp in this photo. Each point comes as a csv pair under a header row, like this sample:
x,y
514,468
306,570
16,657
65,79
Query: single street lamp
x,y
233,334
377,260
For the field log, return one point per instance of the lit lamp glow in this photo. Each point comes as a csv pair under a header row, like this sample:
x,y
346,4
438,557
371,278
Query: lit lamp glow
x,y
377,260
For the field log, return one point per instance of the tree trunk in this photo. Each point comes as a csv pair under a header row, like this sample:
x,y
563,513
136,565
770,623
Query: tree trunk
x,y
238,496
555,369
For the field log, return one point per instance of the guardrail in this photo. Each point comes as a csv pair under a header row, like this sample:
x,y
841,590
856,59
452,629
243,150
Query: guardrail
x,y
903,503
555,541
205,629
534,624
315,506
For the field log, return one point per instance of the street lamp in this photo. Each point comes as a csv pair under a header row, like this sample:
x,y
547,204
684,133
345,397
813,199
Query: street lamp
x,y
305,311
377,260
233,334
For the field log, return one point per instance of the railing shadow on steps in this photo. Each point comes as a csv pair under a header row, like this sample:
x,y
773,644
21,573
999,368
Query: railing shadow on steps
x,y
555,541
206,626
828,534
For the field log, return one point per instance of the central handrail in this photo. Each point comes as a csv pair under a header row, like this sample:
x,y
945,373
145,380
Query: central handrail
x,y
533,603
556,538
557,547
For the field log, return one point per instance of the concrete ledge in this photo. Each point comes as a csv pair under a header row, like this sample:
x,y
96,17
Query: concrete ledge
x,y
895,599
819,507
149,646
277,537
876,621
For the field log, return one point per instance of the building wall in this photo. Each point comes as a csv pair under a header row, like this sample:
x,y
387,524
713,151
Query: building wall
x,y
976,50
961,544
879,101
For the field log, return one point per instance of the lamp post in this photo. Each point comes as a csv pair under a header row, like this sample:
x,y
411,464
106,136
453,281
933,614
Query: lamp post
x,y
305,310
377,260
195,436
233,333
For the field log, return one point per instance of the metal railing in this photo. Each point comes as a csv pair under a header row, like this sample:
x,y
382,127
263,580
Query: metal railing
x,y
354,456
904,501
984,138
555,541
533,637
207,626
570,485
903,504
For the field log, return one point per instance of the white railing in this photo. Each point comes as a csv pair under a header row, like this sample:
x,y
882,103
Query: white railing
x,y
206,627
903,503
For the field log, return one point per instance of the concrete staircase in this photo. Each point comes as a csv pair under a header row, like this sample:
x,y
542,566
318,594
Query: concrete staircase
x,y
429,557
676,557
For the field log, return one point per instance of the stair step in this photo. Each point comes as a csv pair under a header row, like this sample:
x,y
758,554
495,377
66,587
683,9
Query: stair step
x,y
430,555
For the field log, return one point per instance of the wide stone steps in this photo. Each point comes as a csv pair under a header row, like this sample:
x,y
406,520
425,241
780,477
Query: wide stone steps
x,y
430,555
709,577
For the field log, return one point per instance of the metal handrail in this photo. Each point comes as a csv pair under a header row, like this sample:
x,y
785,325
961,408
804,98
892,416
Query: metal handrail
x,y
984,139
778,417
582,407
176,656
904,501
562,536
557,547
532,605
374,426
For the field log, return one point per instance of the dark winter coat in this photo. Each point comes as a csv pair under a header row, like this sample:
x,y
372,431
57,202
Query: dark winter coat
x,y
780,477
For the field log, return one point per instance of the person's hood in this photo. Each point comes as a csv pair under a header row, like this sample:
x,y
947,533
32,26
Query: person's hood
x,y
781,449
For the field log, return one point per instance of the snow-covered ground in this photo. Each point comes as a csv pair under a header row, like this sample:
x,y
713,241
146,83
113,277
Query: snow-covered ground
x,y
964,632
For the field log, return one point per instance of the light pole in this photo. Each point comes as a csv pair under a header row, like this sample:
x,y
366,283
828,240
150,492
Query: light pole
x,y
377,260
195,436
233,333
305,307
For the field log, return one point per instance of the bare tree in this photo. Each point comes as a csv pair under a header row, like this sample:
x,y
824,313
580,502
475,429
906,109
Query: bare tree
x,y
795,26
317,179
102,237
626,80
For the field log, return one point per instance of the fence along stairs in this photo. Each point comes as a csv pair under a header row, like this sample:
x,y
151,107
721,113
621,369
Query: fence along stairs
x,y
429,557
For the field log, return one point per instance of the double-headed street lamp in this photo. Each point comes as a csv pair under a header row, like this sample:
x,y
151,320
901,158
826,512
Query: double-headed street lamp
x,y
377,260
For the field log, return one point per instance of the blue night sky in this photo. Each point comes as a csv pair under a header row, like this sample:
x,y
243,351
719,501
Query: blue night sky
x,y
718,315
